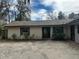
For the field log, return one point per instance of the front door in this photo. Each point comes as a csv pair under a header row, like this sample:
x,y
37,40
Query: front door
x,y
73,32
46,32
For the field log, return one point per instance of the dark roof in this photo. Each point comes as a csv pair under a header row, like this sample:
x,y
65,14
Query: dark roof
x,y
39,23
74,22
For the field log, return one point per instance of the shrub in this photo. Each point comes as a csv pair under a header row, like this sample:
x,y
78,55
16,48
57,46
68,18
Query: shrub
x,y
26,35
14,36
0,33
32,36
58,36
21,37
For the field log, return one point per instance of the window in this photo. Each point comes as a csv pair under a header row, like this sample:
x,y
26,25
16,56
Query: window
x,y
78,28
24,30
58,30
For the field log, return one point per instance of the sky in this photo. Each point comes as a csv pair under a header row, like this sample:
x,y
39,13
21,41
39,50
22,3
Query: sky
x,y
40,8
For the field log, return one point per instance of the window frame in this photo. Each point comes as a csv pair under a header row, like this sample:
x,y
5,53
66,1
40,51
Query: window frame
x,y
24,29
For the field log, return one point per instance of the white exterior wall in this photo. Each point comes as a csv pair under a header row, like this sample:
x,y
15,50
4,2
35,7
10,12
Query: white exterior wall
x,y
76,35
36,31
67,32
13,30
51,32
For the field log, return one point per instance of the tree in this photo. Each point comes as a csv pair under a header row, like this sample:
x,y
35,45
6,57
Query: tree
x,y
24,11
4,9
71,16
51,16
1,29
61,15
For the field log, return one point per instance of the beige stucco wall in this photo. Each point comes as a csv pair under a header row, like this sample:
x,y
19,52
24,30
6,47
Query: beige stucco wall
x,y
13,30
36,31
76,35
67,32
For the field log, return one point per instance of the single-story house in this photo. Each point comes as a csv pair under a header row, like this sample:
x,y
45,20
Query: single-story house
x,y
45,29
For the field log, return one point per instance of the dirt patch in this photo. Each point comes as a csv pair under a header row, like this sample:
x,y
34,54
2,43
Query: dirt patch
x,y
39,50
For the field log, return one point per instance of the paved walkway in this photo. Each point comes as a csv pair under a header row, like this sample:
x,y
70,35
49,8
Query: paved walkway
x,y
39,50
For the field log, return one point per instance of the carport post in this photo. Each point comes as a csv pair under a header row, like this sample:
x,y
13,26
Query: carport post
x,y
51,32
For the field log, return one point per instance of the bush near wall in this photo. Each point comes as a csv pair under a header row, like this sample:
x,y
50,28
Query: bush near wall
x,y
14,37
23,37
58,36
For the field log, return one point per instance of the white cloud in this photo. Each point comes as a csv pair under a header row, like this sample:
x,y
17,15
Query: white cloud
x,y
42,15
67,6
42,11
48,3
63,5
34,16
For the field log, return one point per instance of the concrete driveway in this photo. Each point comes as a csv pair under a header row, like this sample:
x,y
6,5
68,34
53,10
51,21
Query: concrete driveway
x,y
39,50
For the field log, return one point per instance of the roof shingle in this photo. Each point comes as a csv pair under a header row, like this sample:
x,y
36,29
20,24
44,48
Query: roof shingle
x,y
39,23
